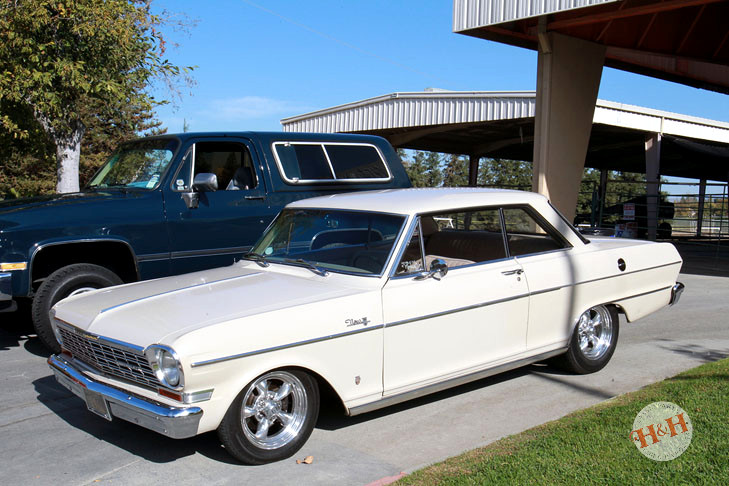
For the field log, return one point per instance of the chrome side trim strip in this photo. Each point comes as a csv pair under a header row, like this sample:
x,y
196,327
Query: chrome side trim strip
x,y
436,387
209,252
429,316
178,290
552,289
454,311
287,346
645,293
151,257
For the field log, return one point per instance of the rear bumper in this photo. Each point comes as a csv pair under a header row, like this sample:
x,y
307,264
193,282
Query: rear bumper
x,y
676,292
104,400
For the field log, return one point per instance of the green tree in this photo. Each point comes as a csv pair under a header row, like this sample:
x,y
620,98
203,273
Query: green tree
x,y
455,171
73,63
424,169
507,174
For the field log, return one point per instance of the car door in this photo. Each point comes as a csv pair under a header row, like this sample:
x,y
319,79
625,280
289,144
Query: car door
x,y
227,221
550,274
475,316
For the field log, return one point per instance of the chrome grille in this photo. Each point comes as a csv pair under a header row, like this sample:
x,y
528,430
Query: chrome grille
x,y
109,359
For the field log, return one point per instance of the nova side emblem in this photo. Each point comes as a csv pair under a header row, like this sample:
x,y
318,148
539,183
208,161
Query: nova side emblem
x,y
356,322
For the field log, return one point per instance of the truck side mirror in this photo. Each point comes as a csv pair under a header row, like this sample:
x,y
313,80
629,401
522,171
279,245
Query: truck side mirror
x,y
203,182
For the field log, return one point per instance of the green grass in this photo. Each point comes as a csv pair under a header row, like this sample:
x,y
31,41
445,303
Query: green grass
x,y
592,446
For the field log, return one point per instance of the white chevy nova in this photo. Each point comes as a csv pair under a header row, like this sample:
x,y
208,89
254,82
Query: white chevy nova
x,y
377,297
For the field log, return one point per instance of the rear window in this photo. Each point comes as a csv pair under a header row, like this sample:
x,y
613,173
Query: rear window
x,y
310,162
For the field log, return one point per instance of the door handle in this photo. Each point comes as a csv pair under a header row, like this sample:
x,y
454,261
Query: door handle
x,y
254,197
518,271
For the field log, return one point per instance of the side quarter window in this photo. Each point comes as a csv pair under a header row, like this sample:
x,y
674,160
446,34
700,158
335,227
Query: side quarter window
x,y
526,235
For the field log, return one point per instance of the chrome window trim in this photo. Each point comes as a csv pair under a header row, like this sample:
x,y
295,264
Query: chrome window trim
x,y
334,179
191,152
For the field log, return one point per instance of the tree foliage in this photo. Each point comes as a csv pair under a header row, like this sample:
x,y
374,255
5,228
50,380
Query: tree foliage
x,y
75,66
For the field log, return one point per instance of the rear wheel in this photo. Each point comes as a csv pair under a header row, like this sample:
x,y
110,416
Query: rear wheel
x,y
593,341
271,418
65,282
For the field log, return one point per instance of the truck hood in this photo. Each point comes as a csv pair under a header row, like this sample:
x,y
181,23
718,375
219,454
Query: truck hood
x,y
158,311
28,211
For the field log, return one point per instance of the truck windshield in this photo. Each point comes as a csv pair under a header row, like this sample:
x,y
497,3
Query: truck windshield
x,y
340,241
140,165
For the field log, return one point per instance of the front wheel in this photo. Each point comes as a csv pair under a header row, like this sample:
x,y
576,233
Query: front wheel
x,y
65,282
593,341
271,418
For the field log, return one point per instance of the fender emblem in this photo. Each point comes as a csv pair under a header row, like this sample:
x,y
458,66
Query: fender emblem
x,y
356,322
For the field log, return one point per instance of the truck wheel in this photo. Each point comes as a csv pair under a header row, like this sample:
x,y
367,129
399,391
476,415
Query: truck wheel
x,y
271,418
64,282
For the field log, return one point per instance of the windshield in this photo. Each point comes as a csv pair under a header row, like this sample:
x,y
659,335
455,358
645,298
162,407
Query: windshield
x,y
139,165
332,240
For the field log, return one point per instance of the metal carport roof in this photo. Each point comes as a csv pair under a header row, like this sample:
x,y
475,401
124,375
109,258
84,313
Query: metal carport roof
x,y
501,125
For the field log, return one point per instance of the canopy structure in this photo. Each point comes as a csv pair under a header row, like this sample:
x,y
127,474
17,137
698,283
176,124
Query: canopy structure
x,y
686,41
501,125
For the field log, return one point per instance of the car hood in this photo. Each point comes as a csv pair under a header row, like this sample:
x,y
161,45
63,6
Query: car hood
x,y
158,311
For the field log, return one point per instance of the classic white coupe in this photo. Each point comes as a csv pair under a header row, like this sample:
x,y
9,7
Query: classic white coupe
x,y
378,297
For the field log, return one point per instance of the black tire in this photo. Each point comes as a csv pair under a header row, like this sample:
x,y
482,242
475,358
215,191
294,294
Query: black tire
x,y
279,440
59,285
587,358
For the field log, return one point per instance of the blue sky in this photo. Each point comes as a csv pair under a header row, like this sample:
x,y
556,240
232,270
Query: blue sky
x,y
260,61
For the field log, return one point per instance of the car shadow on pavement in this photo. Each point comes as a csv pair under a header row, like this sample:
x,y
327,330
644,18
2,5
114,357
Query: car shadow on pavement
x,y
136,440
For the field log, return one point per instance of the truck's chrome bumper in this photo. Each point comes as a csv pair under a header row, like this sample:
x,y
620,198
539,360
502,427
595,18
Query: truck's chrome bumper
x,y
676,292
104,400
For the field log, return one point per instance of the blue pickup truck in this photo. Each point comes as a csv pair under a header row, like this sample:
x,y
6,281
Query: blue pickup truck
x,y
174,204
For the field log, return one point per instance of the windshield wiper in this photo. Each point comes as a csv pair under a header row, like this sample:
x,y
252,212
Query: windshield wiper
x,y
314,268
256,257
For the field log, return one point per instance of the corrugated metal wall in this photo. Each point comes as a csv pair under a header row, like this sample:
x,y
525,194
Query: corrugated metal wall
x,y
413,110
470,14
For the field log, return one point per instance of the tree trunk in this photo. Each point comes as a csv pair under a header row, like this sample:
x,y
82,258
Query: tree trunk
x,y
68,153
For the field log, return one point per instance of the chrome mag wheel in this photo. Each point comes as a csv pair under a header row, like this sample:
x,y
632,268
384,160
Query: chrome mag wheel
x,y
274,409
595,332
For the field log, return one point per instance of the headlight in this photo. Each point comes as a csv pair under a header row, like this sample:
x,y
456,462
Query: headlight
x,y
166,365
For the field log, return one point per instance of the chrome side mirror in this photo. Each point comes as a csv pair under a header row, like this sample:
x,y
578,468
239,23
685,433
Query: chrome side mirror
x,y
438,270
203,182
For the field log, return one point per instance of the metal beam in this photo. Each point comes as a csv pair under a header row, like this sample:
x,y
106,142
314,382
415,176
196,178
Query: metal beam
x,y
657,7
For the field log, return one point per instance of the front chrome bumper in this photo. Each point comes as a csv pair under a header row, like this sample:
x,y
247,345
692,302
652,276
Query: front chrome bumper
x,y
106,401
676,292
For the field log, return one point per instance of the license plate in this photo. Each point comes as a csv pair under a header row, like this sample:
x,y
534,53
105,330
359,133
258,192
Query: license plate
x,y
96,403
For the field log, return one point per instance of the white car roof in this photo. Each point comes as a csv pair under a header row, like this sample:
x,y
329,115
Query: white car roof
x,y
420,200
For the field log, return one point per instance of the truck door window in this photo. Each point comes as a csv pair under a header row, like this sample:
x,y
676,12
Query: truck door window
x,y
230,161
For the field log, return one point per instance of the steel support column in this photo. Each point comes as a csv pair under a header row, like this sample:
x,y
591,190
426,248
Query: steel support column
x,y
653,181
